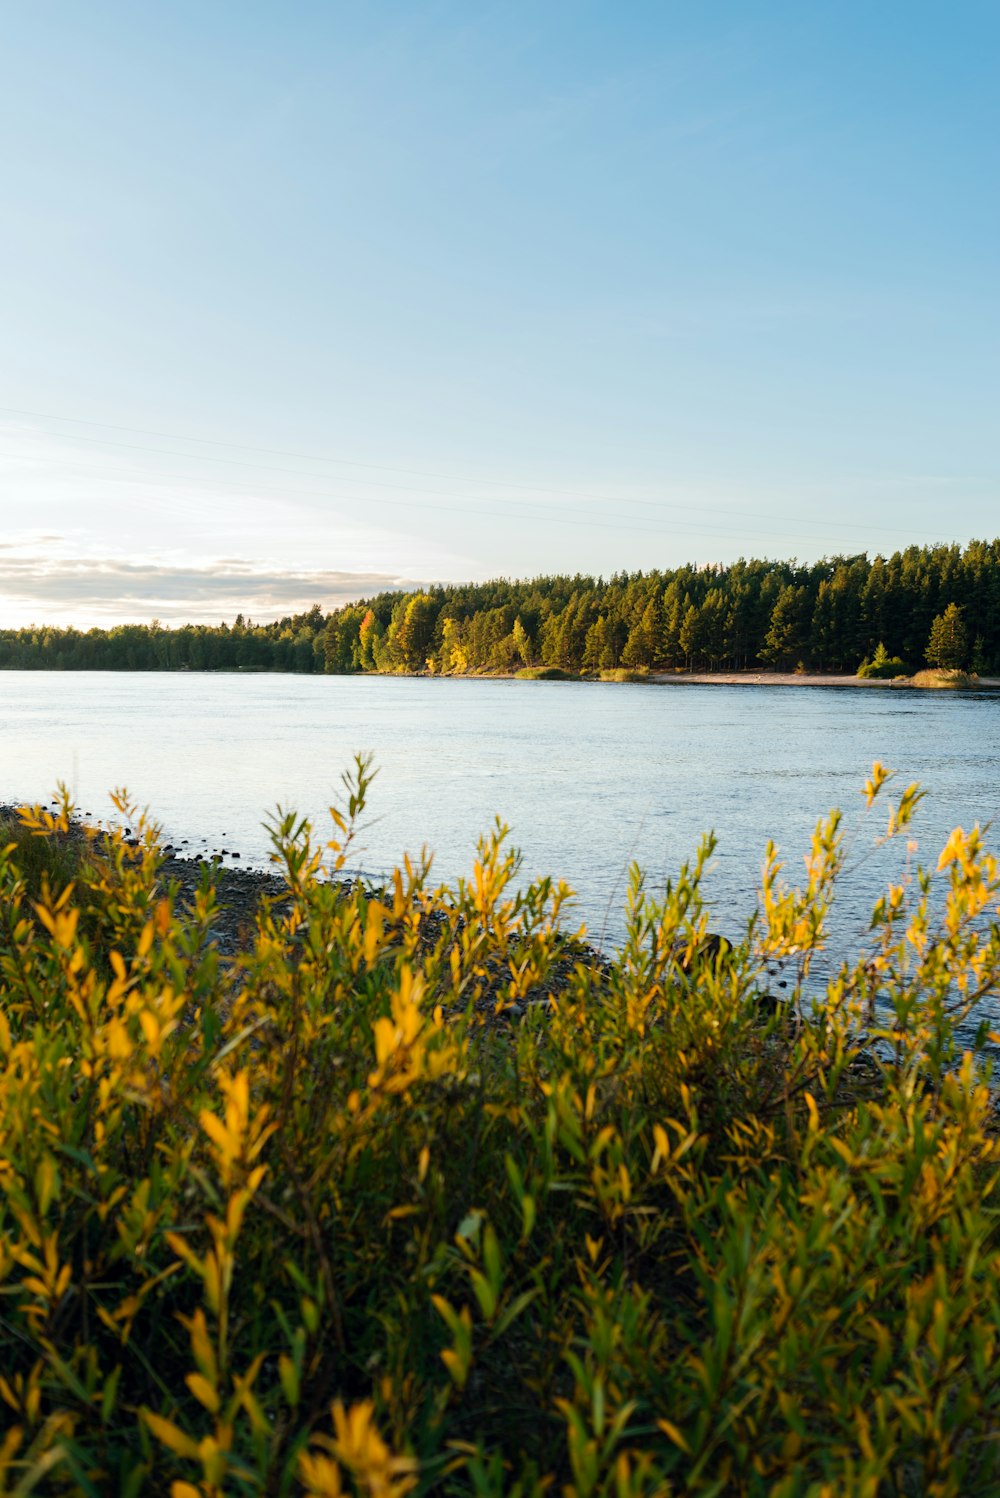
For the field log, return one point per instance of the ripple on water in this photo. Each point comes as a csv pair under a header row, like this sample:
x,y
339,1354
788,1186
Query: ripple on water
x,y
589,778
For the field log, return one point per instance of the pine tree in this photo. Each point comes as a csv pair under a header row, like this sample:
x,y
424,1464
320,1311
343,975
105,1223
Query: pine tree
x,y
949,642
690,634
786,636
642,645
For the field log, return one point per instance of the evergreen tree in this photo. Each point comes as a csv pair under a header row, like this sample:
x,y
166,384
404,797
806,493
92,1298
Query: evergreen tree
x,y
948,644
689,638
596,645
643,640
979,665
786,637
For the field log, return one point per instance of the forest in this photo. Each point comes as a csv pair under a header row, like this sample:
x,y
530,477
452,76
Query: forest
x,y
939,604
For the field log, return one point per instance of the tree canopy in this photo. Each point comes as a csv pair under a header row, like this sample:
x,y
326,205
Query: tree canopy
x,y
829,615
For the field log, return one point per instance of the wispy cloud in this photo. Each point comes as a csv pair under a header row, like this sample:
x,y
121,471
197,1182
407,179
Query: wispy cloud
x,y
88,590
92,537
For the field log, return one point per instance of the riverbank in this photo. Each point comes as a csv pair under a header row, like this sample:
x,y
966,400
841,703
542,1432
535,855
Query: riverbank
x,y
762,679
240,892
619,676
921,681
798,679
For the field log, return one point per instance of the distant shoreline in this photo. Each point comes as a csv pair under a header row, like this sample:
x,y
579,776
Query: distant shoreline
x,y
637,678
793,679
709,679
763,679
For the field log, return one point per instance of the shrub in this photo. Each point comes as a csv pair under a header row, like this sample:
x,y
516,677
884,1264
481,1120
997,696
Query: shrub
x,y
56,858
941,680
544,673
882,666
420,1195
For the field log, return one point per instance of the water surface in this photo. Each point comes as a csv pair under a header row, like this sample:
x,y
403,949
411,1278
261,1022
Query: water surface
x,y
589,776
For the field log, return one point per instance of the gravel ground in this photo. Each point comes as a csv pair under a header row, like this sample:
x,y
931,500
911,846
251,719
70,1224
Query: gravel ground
x,y
240,890
238,893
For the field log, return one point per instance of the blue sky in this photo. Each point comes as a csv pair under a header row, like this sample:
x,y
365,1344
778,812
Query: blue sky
x,y
304,299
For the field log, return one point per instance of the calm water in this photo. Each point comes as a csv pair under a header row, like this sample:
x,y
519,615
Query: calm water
x,y
588,776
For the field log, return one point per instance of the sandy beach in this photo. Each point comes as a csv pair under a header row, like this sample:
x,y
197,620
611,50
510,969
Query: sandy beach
x,y
785,679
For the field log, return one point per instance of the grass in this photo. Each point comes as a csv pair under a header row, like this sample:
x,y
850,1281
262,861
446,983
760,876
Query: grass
x,y
545,673
58,858
622,673
939,679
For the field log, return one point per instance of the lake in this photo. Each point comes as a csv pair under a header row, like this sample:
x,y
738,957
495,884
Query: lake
x,y
589,776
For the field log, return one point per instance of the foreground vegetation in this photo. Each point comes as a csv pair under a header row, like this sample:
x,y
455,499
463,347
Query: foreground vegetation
x,y
356,1214
937,604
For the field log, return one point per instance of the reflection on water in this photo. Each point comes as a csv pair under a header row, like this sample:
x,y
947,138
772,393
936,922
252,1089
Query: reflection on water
x,y
589,776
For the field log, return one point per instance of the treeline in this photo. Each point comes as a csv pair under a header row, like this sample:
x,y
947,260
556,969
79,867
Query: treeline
x,y
831,615
287,644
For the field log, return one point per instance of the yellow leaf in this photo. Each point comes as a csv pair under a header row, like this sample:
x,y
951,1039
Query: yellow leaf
x,y
150,1027
171,1435
203,1391
671,1431
218,1133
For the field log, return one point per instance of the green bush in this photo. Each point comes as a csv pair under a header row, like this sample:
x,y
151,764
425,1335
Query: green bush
x,y
544,673
882,665
56,858
420,1195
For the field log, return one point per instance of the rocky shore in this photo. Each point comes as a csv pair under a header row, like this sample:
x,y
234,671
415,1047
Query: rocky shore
x,y
238,894
239,891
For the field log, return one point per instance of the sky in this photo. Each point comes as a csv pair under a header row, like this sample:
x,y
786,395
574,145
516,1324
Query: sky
x,y
305,301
